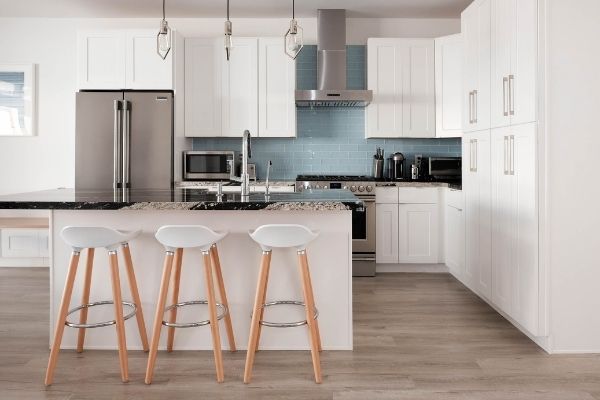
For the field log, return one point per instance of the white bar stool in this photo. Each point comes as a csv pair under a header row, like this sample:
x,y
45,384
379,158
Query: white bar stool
x,y
90,238
175,238
283,235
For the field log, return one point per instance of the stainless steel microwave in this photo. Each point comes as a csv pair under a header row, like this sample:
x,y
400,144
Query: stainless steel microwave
x,y
208,165
449,167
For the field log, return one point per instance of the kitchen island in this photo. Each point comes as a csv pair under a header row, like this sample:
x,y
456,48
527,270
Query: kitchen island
x,y
330,257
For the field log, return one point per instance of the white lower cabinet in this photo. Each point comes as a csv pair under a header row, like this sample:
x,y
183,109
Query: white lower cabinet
x,y
454,232
387,233
418,228
477,189
24,243
514,220
408,225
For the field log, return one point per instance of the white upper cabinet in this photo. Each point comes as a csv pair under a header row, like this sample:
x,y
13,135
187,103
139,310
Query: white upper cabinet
x,y
203,78
144,68
501,68
523,82
276,92
476,31
514,55
240,88
254,90
401,73
385,77
419,89
448,86
101,60
123,59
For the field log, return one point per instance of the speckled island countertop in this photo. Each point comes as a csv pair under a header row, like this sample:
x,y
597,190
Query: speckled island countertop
x,y
180,199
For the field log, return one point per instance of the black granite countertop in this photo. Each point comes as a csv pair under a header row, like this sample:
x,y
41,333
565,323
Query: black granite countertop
x,y
180,199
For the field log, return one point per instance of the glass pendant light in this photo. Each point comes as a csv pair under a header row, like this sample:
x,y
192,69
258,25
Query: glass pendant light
x,y
163,38
228,30
293,37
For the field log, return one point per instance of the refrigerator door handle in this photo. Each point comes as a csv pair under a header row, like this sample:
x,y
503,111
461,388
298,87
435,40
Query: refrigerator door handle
x,y
126,142
117,154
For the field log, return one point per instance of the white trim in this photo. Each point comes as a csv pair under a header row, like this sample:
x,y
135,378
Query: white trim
x,y
424,268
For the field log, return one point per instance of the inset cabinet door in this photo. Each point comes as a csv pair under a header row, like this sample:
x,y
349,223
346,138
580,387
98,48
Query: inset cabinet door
x,y
277,85
145,69
203,80
240,88
101,60
387,233
418,233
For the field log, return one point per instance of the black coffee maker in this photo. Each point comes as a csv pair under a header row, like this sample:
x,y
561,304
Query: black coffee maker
x,y
395,167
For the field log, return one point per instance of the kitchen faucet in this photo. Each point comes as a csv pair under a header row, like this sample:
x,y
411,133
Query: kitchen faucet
x,y
246,154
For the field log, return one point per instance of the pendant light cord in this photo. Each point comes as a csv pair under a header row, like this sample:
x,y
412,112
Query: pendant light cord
x,y
164,10
227,10
293,9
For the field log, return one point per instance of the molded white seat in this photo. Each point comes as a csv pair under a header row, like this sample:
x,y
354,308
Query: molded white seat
x,y
175,237
86,237
283,235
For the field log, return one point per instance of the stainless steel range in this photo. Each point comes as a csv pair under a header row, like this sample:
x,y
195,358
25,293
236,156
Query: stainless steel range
x,y
363,223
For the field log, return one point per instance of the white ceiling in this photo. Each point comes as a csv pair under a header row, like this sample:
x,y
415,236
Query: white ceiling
x,y
239,8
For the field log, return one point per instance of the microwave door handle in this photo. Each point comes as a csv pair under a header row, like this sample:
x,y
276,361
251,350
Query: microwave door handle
x,y
117,133
126,143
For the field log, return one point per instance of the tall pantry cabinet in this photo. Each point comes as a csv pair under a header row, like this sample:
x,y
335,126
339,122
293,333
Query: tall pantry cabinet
x,y
500,157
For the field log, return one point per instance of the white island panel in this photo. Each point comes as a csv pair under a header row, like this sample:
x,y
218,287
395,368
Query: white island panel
x,y
330,261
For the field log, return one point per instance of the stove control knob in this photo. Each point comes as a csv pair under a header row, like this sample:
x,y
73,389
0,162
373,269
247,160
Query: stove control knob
x,y
369,188
361,188
353,188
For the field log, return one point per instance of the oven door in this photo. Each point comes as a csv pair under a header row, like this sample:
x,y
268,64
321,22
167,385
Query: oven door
x,y
207,165
363,239
363,227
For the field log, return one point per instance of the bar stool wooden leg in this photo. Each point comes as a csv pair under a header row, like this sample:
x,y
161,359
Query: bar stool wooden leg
x,y
118,300
262,301
158,316
214,253
174,297
139,315
85,298
214,322
310,315
256,312
62,316
312,299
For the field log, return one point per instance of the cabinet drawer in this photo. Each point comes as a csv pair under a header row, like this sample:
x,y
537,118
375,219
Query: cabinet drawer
x,y
455,198
27,243
409,195
386,195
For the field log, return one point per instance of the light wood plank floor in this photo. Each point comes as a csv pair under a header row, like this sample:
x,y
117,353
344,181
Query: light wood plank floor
x,y
417,337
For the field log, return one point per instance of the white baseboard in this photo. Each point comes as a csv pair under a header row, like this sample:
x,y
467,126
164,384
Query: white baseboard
x,y
24,262
425,268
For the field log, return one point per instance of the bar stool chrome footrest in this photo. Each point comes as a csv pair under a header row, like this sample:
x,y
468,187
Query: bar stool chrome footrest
x,y
100,324
286,324
220,316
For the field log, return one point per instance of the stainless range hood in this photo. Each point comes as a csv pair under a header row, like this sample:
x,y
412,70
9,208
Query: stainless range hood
x,y
331,67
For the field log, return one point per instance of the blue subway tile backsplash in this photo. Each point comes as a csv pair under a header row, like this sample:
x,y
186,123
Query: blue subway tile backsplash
x,y
329,140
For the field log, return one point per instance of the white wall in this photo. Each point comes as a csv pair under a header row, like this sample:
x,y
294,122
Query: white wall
x,y
573,193
47,160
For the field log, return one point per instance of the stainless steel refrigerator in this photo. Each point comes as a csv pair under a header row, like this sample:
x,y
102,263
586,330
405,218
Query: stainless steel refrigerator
x,y
124,139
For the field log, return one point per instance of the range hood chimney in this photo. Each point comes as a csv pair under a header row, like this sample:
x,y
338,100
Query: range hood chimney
x,y
331,67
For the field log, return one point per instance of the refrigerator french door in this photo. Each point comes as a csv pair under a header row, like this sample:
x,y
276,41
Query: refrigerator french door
x,y
124,139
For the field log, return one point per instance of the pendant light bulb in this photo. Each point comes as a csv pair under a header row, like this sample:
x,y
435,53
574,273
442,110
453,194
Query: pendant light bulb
x,y
163,38
228,32
294,36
